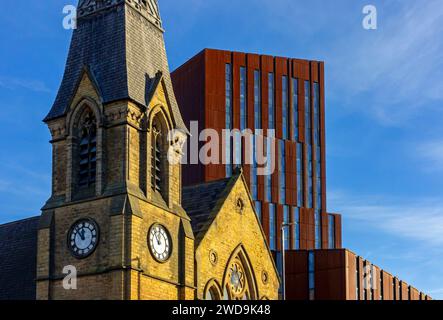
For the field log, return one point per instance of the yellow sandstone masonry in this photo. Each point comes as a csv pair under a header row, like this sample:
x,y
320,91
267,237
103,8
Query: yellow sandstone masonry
x,y
124,100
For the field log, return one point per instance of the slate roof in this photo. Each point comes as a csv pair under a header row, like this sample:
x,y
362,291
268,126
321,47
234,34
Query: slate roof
x,y
199,202
123,52
18,259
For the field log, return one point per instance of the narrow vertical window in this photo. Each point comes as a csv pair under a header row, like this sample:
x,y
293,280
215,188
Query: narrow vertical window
x,y
254,179
88,151
243,99
272,227
296,221
287,230
228,111
159,162
156,176
308,123
310,178
382,287
300,169
308,138
271,105
317,229
295,124
282,172
285,108
268,177
311,277
318,156
258,210
257,100
331,232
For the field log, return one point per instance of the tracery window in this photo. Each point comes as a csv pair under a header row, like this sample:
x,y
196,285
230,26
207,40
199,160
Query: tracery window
x,y
238,283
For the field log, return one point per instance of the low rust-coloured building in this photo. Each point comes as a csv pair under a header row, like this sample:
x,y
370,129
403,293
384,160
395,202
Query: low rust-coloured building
x,y
340,274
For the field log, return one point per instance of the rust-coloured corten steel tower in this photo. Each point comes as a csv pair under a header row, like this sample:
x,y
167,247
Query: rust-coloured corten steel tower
x,y
232,90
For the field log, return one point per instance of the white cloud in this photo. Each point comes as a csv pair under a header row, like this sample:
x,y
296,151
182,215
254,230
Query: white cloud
x,y
391,73
432,153
13,83
395,68
417,219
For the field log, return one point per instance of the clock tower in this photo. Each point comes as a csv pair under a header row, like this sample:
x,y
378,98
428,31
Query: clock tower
x,y
115,216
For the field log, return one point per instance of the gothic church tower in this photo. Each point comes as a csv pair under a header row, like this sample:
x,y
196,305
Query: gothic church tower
x,y
115,212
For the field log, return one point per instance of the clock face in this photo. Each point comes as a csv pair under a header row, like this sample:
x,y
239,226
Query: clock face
x,y
159,242
83,238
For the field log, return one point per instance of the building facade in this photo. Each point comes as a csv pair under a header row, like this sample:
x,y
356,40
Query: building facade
x,y
231,90
118,219
225,90
340,274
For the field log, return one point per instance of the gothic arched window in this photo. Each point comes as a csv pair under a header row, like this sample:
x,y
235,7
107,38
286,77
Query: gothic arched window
x,y
159,156
239,283
87,150
156,159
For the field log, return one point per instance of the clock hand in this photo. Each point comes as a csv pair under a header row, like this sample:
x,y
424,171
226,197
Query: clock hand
x,y
82,234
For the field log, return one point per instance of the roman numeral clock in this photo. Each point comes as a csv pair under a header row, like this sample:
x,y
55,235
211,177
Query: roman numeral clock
x,y
83,238
159,242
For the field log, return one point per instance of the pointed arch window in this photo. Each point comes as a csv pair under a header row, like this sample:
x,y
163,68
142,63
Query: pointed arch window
x,y
87,166
159,156
156,167
239,283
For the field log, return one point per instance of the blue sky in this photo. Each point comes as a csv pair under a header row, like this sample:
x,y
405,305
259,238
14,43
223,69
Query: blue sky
x,y
384,93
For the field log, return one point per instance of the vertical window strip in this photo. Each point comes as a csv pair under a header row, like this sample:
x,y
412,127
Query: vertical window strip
x,y
318,229
237,149
295,124
272,227
317,130
311,278
243,99
296,221
287,229
285,108
257,100
271,105
300,184
228,112
268,177
254,179
308,138
282,172
331,233
310,178
258,210
308,125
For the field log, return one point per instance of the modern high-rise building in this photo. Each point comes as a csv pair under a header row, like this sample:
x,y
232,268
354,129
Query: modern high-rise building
x,y
231,90
223,90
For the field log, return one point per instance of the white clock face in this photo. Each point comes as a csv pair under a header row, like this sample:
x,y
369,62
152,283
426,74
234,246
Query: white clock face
x,y
159,243
83,238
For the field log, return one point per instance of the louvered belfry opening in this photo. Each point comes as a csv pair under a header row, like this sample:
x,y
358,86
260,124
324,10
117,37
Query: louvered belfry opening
x,y
156,163
88,151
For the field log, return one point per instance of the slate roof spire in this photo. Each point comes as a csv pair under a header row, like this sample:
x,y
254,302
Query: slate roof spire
x,y
121,43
